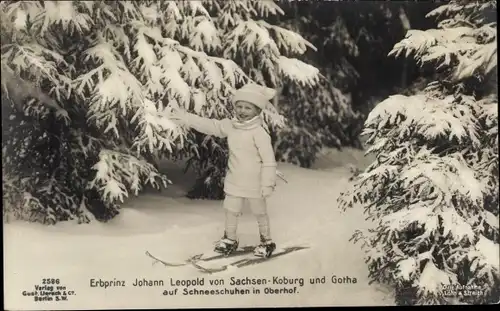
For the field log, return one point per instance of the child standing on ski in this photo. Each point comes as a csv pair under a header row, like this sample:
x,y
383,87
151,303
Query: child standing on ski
x,y
251,174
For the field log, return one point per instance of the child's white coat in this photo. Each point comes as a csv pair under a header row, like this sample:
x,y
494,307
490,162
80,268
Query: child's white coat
x,y
251,164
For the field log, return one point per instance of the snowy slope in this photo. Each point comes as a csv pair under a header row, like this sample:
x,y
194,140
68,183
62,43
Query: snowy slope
x,y
302,212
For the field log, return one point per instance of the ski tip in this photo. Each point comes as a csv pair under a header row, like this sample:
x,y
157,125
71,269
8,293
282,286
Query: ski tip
x,y
295,248
196,257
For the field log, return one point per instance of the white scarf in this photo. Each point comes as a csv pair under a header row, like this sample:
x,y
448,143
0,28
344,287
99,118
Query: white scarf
x,y
248,124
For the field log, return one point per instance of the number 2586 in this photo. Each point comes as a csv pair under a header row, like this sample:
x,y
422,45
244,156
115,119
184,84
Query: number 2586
x,y
50,281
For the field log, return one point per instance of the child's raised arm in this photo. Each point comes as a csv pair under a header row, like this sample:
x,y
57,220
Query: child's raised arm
x,y
204,125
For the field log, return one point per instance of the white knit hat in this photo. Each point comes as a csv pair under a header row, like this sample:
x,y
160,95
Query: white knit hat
x,y
255,94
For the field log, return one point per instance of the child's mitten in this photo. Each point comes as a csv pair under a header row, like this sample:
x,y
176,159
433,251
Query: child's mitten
x,y
267,191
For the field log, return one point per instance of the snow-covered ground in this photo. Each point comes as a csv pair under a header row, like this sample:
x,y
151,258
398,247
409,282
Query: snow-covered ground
x,y
303,212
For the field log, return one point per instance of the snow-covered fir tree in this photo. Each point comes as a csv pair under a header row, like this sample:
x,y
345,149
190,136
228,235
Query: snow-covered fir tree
x,y
85,87
352,42
322,115
432,193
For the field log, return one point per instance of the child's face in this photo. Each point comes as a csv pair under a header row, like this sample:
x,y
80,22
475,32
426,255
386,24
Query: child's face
x,y
245,110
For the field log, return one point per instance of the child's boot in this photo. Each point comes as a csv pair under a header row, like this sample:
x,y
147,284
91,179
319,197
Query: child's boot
x,y
226,246
265,248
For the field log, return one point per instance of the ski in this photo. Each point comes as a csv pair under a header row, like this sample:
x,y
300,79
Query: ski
x,y
199,257
247,261
256,260
195,260
165,263
208,270
238,252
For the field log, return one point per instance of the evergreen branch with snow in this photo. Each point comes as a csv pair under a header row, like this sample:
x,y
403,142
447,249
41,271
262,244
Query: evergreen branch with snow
x,y
432,192
113,69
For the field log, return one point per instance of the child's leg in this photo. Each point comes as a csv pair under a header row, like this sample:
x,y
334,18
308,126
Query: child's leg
x,y
231,226
266,246
233,206
259,209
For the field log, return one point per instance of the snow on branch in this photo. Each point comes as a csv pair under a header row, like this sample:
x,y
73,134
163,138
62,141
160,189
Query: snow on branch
x,y
64,14
19,89
249,36
472,9
157,131
191,21
473,49
146,56
434,183
112,70
117,35
193,8
130,10
419,41
429,116
32,58
297,70
205,36
485,261
421,214
265,8
151,13
487,252
489,110
290,41
433,280
18,12
447,177
482,59
232,72
103,51
170,58
118,172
